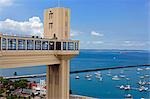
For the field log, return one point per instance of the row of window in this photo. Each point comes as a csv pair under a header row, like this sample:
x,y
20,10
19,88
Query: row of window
x,y
37,45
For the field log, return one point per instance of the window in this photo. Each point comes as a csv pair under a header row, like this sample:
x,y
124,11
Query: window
x,y
37,45
50,15
58,45
76,46
21,44
64,46
50,25
11,44
45,45
70,46
3,43
51,45
30,45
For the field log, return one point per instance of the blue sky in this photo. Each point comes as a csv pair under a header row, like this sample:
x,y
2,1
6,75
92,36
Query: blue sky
x,y
98,24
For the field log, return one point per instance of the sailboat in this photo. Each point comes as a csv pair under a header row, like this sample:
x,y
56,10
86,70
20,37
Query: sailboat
x,y
115,77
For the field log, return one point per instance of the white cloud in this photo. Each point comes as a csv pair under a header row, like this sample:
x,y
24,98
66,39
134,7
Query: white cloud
x,y
127,42
133,43
97,42
75,33
4,3
33,26
93,33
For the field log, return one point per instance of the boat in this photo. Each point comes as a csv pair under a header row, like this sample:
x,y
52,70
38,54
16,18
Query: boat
x,y
147,68
100,79
121,87
146,75
109,73
141,77
98,73
87,76
115,77
122,76
148,83
142,88
127,87
127,78
142,83
139,69
128,96
77,77
89,79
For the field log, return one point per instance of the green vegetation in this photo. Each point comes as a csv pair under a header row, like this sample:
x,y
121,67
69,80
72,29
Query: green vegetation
x,y
22,83
7,86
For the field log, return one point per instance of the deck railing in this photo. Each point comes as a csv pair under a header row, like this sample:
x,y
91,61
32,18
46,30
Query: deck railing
x,y
35,43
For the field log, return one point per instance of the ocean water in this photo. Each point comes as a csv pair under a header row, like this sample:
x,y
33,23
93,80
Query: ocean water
x,y
88,59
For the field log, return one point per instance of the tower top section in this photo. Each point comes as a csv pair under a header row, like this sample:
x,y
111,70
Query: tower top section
x,y
57,23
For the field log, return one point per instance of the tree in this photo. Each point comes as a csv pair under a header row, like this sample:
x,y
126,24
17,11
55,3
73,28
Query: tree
x,y
22,83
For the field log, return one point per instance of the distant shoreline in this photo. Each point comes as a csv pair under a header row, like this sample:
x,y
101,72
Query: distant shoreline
x,y
74,72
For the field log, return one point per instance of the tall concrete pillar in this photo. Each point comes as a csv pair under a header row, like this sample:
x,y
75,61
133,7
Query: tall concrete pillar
x,y
58,80
64,71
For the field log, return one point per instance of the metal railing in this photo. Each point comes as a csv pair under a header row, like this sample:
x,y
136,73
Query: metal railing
x,y
32,43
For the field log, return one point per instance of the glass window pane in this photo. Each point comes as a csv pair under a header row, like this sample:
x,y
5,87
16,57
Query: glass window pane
x,y
4,43
51,45
21,44
70,46
58,45
45,45
30,45
37,45
64,46
11,44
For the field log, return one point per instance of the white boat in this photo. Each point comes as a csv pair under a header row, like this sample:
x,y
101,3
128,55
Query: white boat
x,y
115,77
127,87
139,69
89,79
122,76
128,96
146,75
77,77
147,68
127,78
121,87
142,83
148,83
87,76
97,73
141,77
100,79
109,73
142,88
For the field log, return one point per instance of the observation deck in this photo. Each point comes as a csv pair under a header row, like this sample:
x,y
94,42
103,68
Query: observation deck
x,y
34,48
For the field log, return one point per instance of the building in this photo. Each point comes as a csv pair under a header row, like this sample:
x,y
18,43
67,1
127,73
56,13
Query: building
x,y
54,50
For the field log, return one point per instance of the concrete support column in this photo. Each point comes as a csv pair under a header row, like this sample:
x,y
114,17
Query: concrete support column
x,y
64,72
52,83
58,81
